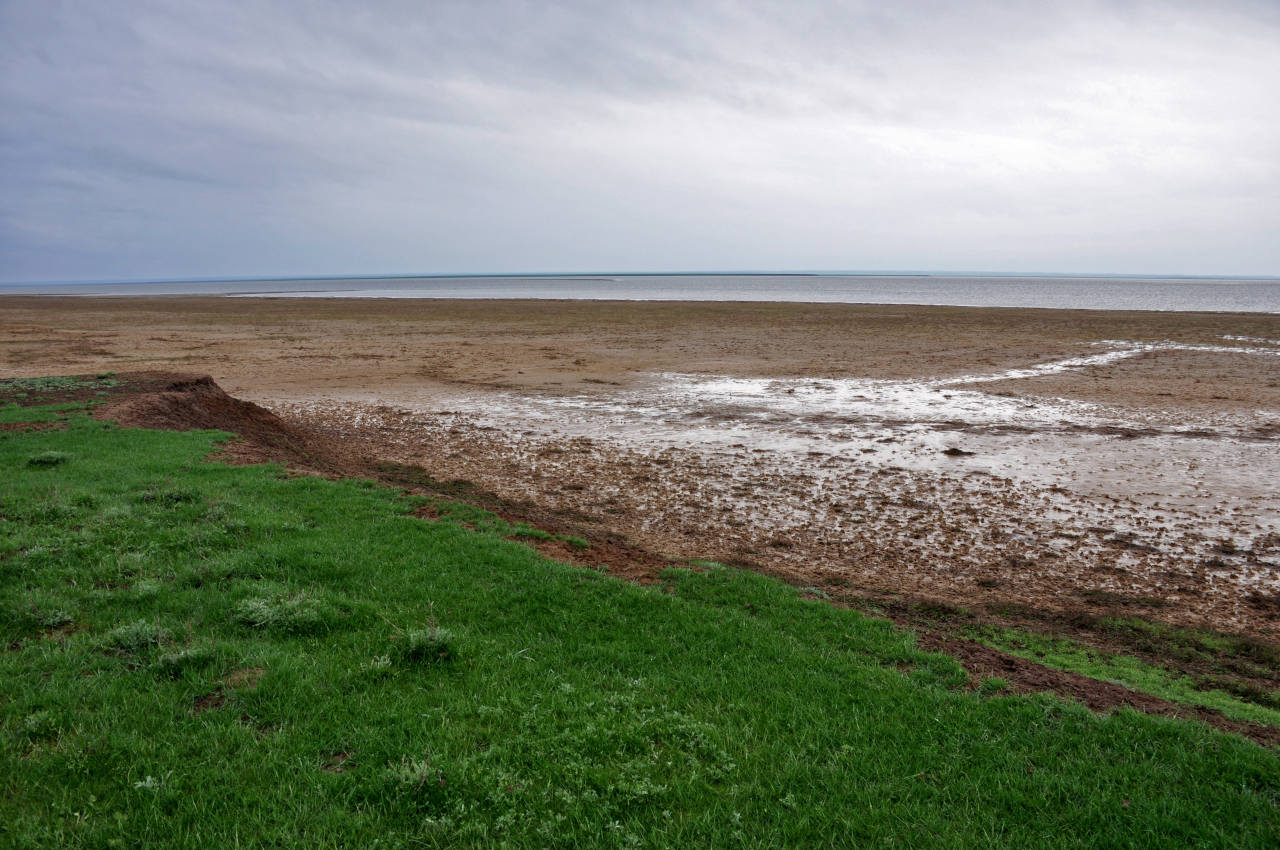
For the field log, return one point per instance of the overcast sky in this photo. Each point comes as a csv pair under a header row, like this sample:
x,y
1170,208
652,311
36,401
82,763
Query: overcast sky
x,y
150,139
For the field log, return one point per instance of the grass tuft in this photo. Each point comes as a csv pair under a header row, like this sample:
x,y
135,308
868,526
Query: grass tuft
x,y
427,646
174,664
47,460
137,636
290,613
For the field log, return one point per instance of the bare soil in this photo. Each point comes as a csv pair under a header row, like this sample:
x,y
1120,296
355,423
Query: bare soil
x,y
273,348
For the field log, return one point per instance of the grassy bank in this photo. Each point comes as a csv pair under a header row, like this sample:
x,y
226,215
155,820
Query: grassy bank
x,y
203,655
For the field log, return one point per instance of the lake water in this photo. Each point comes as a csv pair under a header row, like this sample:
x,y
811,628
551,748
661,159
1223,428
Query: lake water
x,y
1101,293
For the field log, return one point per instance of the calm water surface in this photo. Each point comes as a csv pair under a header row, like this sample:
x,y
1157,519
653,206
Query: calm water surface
x,y
1101,293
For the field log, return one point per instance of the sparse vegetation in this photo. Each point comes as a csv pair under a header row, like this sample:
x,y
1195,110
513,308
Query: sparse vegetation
x,y
478,519
35,388
1065,654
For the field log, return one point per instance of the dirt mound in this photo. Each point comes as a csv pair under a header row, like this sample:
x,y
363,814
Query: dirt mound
x,y
187,402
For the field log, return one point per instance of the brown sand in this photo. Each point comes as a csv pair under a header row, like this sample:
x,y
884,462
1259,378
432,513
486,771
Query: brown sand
x,y
304,347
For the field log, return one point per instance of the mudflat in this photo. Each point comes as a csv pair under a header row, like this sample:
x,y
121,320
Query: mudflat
x,y
1063,461
318,344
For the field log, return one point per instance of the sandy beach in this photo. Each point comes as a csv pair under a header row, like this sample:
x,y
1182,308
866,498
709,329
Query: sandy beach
x,y
994,459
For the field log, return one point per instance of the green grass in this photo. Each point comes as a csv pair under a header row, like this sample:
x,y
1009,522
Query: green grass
x,y
13,412
1065,654
1237,653
202,655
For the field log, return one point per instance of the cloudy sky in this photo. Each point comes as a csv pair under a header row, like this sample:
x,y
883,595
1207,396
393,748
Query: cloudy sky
x,y
153,139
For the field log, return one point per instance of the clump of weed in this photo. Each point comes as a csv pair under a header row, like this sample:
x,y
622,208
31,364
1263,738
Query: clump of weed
x,y
1246,691
22,387
296,613
377,667
35,618
148,588
427,646
528,532
39,725
992,685
174,664
52,619
416,775
137,636
939,611
169,497
47,460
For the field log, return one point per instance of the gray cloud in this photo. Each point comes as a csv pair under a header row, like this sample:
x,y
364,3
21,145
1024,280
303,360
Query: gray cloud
x,y
157,139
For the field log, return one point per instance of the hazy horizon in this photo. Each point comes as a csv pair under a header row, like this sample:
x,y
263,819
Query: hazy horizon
x,y
604,273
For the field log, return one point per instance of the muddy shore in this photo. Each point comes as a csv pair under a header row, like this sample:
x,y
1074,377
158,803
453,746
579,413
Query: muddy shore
x,y
1064,461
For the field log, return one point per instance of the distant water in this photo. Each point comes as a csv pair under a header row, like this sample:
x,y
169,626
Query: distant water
x,y
1099,293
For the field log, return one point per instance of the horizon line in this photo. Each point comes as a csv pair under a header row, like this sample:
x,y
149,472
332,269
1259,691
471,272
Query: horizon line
x,y
545,275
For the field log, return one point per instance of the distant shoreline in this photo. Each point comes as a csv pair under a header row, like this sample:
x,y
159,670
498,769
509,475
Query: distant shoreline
x,y
1172,294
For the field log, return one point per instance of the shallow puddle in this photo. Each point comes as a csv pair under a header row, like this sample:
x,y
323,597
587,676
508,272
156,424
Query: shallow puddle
x,y
928,426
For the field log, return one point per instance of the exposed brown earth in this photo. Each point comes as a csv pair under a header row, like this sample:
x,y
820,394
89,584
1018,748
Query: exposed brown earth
x,y
269,348
179,402
1179,381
